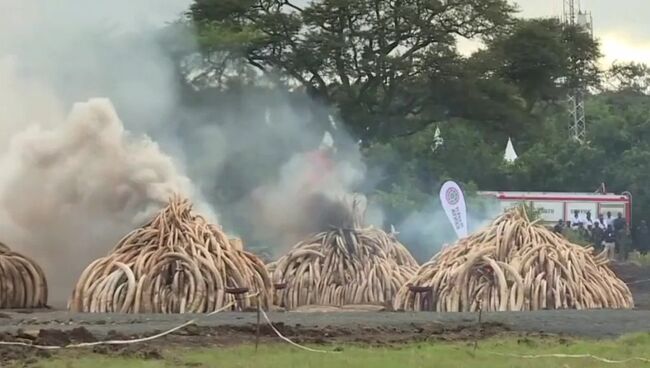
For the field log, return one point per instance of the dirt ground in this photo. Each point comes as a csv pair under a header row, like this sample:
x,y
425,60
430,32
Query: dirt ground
x,y
638,280
374,327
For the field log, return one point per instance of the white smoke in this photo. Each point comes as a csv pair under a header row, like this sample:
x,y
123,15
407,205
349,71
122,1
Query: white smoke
x,y
305,198
23,101
73,183
428,230
75,178
73,190
259,156
88,163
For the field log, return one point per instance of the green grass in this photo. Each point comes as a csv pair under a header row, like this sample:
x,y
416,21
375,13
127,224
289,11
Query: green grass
x,y
406,356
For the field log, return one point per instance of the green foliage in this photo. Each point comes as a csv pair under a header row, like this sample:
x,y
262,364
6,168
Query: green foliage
x,y
534,57
578,238
376,60
633,78
494,352
392,70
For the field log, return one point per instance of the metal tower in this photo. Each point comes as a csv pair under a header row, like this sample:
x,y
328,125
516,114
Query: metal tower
x,y
574,16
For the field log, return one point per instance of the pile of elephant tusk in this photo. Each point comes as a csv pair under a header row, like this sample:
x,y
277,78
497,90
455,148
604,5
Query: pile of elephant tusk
x,y
343,266
177,263
22,281
514,265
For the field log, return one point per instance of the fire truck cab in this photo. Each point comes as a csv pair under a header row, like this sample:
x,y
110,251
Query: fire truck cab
x,y
562,205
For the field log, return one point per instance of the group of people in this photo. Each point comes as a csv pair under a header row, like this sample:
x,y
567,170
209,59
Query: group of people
x,y
606,231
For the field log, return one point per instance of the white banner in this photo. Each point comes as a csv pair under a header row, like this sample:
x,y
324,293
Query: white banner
x,y
549,211
453,202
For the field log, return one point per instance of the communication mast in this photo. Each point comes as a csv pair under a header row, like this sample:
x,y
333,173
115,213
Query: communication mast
x,y
574,16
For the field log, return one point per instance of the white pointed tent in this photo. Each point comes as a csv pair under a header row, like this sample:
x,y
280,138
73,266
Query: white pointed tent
x,y
510,154
327,142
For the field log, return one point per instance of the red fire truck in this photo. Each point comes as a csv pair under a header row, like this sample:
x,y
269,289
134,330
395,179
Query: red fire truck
x,y
555,206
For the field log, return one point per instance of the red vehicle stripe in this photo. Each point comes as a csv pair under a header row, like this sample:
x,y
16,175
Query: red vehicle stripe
x,y
567,199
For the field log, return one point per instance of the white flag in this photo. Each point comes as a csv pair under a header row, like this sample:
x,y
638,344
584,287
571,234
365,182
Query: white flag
x,y
453,202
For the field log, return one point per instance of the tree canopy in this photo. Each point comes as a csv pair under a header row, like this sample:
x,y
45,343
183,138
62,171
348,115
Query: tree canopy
x,y
375,59
393,71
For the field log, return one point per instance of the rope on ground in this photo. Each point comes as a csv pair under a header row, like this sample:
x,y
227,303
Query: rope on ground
x,y
573,356
266,317
120,342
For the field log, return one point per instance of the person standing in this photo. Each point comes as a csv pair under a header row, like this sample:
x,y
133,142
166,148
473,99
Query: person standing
x,y
622,236
588,221
576,220
602,222
609,220
597,235
589,232
619,223
642,237
609,242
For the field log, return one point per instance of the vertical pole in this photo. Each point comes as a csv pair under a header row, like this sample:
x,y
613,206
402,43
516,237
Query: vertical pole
x,y
257,330
480,323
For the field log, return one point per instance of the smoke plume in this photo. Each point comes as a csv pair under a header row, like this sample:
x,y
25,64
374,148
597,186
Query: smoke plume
x,y
428,230
77,176
73,190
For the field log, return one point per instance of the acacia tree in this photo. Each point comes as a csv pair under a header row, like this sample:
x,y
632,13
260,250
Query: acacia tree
x,y
629,77
517,84
373,58
544,59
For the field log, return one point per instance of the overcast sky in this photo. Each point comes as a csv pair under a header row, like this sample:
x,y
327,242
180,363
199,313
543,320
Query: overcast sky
x,y
620,25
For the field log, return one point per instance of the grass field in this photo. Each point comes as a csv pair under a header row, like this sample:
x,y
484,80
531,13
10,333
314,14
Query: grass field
x,y
490,353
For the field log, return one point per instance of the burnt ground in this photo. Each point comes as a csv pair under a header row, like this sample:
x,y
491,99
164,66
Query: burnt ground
x,y
370,328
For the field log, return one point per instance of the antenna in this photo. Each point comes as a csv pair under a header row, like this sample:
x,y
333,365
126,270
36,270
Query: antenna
x,y
574,16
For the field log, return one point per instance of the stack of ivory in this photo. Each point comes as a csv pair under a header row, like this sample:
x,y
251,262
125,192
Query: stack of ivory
x,y
514,265
343,266
22,281
177,263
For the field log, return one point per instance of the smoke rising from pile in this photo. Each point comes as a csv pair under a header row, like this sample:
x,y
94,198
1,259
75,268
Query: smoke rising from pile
x,y
428,230
117,172
76,179
74,189
306,198
255,153
75,182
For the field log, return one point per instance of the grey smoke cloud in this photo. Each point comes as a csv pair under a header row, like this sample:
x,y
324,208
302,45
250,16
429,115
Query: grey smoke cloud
x,y
69,192
258,162
74,184
83,49
428,230
76,179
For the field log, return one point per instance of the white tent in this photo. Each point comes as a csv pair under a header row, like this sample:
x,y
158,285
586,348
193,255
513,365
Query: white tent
x,y
510,154
327,142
